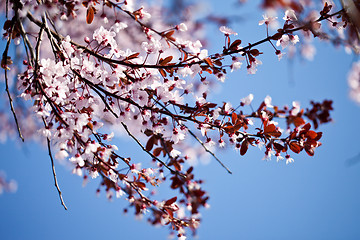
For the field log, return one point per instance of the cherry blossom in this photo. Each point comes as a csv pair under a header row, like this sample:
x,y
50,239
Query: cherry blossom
x,y
227,31
267,20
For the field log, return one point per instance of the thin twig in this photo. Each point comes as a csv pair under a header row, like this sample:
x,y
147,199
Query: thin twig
x,y
4,58
144,149
207,150
127,63
91,85
27,42
197,139
54,175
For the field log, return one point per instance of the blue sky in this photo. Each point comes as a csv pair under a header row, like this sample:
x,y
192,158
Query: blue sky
x,y
313,198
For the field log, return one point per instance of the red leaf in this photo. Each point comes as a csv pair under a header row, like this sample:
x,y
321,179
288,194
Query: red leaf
x,y
162,72
311,134
90,14
311,142
298,121
140,185
169,36
235,44
165,61
292,135
170,201
277,36
278,147
132,56
319,135
233,117
177,166
218,63
211,105
269,128
309,150
150,143
295,147
272,131
170,212
255,52
244,147
208,61
306,128
157,151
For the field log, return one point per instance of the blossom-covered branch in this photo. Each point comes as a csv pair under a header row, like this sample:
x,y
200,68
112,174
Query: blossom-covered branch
x,y
132,72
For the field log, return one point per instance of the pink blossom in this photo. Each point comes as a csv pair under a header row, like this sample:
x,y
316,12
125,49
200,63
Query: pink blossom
x,y
267,101
286,39
227,31
247,100
289,159
290,15
183,27
267,20
252,68
105,37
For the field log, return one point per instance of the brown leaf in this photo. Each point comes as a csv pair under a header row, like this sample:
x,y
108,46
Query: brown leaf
x,y
169,36
319,135
7,24
85,3
132,56
237,126
140,185
233,117
165,61
90,125
309,150
162,72
292,135
295,147
298,121
311,142
170,212
177,166
277,36
306,128
185,56
218,63
150,143
208,61
272,131
6,62
235,44
255,52
244,147
157,151
108,4
211,105
90,14
278,147
170,201
311,134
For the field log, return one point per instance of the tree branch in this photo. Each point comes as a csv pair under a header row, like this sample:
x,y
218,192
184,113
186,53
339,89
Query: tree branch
x,y
152,155
54,175
4,63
